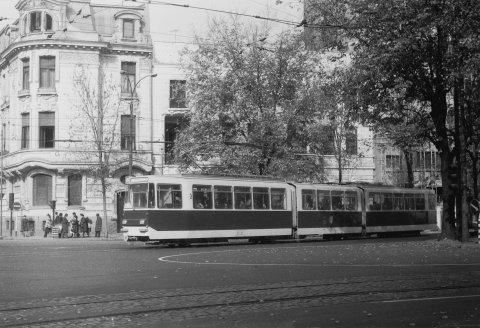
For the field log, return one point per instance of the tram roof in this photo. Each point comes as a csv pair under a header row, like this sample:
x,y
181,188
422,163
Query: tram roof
x,y
205,177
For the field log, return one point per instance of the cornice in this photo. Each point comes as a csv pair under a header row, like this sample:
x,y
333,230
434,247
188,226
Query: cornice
x,y
103,47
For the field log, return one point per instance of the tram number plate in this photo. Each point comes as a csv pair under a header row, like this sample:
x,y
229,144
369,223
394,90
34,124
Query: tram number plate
x,y
240,233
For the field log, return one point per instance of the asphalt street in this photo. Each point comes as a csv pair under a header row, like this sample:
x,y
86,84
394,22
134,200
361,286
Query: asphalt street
x,y
402,282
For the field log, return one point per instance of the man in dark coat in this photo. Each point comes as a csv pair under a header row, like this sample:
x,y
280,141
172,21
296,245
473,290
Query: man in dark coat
x,y
84,225
98,226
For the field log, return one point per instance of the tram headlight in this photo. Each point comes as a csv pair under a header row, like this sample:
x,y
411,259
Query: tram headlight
x,y
124,222
142,221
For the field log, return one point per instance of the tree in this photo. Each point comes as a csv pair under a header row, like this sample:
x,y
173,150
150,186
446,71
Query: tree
x,y
414,52
97,126
334,132
253,96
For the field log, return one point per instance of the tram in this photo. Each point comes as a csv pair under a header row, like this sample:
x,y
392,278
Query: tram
x,y
181,209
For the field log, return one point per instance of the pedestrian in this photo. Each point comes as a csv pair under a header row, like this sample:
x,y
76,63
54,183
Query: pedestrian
x,y
84,225
60,225
75,226
65,226
48,226
98,226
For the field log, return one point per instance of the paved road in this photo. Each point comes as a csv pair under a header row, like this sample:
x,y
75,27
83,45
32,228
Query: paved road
x,y
354,283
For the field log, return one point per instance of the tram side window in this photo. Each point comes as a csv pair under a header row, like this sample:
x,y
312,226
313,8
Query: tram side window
x,y
169,196
223,197
202,196
278,198
337,200
420,202
351,201
323,197
374,201
260,198
308,200
141,193
398,202
387,203
432,202
243,198
409,202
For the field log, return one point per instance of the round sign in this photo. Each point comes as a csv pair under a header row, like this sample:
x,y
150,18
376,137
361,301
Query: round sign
x,y
17,206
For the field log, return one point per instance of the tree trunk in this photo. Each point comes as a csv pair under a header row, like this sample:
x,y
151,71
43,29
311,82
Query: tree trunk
x,y
462,150
104,200
409,162
442,143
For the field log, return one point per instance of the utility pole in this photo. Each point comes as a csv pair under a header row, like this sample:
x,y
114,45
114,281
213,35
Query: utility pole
x,y
1,181
130,142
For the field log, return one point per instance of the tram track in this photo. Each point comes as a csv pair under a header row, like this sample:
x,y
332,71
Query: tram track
x,y
203,302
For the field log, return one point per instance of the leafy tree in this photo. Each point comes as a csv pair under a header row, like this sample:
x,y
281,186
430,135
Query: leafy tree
x,y
410,51
253,96
334,132
97,126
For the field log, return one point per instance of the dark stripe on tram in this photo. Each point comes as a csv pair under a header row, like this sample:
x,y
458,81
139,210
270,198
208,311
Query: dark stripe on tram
x,y
321,219
173,220
393,218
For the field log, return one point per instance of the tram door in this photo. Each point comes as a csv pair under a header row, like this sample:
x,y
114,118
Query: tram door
x,y
120,206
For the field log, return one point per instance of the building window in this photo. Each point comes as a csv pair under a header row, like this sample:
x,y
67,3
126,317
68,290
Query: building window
x,y
35,21
74,190
46,130
25,131
42,189
127,132
173,124
178,94
428,161
47,72
128,28
351,141
128,77
393,162
26,74
329,140
48,22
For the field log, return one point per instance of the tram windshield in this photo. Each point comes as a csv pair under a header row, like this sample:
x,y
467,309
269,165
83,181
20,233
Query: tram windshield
x,y
142,195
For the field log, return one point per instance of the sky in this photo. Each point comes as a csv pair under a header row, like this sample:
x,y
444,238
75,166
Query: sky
x,y
180,23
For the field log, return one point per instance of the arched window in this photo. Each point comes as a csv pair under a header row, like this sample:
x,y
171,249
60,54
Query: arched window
x,y
42,189
35,21
48,22
74,190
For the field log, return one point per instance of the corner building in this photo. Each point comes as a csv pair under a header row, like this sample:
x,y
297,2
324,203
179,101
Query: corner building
x,y
44,143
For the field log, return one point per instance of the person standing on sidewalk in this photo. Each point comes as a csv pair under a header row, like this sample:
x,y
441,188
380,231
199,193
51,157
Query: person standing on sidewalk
x,y
60,225
84,225
65,226
48,226
75,226
98,226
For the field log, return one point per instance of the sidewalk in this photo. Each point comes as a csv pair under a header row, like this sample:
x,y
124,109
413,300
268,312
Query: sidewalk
x,y
111,236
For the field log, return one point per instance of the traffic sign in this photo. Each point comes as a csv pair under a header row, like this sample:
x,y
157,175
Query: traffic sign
x,y
17,206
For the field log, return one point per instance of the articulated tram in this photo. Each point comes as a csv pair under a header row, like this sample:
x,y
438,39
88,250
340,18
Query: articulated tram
x,y
182,209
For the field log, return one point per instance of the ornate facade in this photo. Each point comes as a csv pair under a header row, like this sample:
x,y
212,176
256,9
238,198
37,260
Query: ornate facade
x,y
48,147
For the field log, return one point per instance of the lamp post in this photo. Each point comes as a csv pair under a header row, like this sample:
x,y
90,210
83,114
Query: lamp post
x,y
130,141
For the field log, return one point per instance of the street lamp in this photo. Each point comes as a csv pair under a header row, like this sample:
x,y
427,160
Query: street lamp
x,y
130,141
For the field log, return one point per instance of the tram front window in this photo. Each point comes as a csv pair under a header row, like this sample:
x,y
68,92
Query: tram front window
x,y
142,195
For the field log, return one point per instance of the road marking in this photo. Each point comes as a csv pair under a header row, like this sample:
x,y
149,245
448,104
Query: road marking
x,y
168,259
428,299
